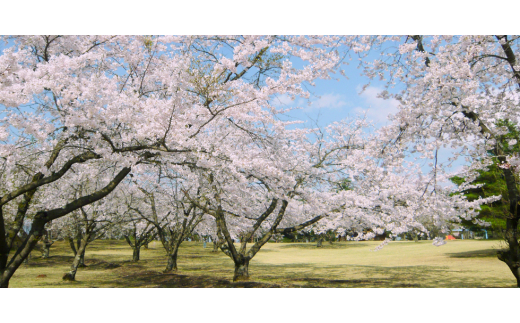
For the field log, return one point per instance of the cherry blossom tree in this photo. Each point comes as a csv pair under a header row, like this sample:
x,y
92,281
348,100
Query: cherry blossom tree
x,y
74,100
162,206
454,92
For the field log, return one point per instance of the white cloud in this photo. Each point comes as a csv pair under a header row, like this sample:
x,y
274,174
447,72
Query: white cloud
x,y
377,109
326,101
329,101
283,101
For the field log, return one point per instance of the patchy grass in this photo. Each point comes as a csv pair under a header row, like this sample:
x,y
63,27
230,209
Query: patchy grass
x,y
460,263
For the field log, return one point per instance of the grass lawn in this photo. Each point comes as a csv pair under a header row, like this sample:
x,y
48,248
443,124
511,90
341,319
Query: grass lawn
x,y
459,263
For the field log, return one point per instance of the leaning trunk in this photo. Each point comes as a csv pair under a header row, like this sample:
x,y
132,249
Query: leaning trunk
x,y
241,270
79,260
72,246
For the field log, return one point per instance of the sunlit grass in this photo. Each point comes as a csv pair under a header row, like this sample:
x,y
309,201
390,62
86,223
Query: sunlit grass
x,y
460,263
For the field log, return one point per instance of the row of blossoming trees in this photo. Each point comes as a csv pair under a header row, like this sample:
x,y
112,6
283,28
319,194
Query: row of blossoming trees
x,y
160,137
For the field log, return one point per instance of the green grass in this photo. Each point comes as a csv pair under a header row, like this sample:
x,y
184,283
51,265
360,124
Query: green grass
x,y
460,263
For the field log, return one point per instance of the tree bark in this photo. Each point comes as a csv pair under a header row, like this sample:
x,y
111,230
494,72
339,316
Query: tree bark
x,y
72,246
319,244
82,260
78,261
172,263
137,253
241,270
46,249
511,256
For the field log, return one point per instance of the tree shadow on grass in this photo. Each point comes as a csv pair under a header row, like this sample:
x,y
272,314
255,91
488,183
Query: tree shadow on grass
x,y
158,279
49,262
474,254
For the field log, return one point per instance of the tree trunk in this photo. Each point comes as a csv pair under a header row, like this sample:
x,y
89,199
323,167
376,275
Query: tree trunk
x,y
72,246
82,260
78,261
4,282
137,253
511,256
172,263
241,270
319,244
216,246
513,262
46,249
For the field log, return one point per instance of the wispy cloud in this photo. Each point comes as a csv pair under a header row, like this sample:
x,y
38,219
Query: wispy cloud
x,y
329,101
326,101
376,109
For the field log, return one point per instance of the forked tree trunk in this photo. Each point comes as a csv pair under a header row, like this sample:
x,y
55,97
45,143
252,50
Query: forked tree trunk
x,y
137,253
82,260
241,270
171,266
72,246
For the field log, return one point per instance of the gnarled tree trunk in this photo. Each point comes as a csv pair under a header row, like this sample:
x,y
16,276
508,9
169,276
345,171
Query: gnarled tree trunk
x,y
241,270
171,266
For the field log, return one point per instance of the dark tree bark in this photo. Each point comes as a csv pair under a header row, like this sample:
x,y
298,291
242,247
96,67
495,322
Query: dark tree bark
x,y
82,259
241,270
136,253
72,246
171,266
